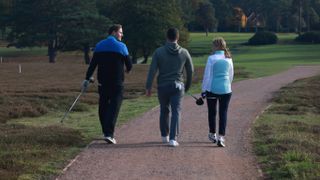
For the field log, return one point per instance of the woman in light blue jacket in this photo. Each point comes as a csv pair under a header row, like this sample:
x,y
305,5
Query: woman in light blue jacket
x,y
216,87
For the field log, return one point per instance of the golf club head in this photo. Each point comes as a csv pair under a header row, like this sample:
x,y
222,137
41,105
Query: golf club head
x,y
199,101
91,80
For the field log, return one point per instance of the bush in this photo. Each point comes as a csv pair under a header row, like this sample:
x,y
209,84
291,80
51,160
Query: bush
x,y
309,37
264,37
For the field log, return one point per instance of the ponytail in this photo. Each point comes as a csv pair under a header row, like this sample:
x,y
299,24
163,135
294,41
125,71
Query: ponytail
x,y
220,44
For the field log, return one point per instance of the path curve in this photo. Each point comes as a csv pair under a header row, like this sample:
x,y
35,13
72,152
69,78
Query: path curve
x,y
140,155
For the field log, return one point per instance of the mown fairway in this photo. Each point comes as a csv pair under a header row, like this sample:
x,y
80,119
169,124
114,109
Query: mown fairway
x,y
258,60
33,144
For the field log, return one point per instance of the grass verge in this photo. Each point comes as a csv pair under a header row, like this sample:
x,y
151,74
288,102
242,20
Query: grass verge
x,y
286,136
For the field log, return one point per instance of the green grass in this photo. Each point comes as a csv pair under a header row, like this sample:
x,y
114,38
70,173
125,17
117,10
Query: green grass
x,y
37,148
287,135
15,52
258,61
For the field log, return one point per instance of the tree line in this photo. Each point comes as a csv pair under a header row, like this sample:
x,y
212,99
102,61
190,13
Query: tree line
x,y
64,25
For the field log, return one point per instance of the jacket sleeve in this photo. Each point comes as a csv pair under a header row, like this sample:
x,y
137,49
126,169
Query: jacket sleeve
x,y
128,63
152,71
189,70
206,76
231,71
92,66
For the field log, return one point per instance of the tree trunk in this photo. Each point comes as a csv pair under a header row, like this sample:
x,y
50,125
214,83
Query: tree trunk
x,y
145,60
86,51
52,52
146,54
134,57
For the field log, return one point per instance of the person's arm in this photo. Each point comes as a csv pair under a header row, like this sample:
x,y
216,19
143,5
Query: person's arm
x,y
231,71
92,66
128,63
189,70
152,72
206,76
127,59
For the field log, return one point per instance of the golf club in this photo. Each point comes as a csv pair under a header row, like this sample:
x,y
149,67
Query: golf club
x,y
91,80
199,101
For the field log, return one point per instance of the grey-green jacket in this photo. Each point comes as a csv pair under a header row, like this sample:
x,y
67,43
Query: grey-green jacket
x,y
170,60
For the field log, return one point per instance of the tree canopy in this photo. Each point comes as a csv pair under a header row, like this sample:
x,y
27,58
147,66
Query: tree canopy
x,y
63,25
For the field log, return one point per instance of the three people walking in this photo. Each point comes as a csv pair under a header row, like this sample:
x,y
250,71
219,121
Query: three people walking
x,y
169,61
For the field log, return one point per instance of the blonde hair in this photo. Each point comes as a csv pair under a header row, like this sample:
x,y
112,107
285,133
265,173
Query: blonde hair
x,y
220,44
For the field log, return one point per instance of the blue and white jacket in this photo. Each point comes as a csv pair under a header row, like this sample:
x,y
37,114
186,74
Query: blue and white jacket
x,y
110,55
218,74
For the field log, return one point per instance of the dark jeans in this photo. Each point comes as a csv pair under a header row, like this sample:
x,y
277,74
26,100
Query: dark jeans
x,y
170,96
224,100
109,105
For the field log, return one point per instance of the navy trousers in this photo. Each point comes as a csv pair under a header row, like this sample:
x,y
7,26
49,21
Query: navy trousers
x,y
223,100
109,105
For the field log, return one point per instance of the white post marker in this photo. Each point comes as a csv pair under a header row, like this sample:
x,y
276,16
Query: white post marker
x,y
19,68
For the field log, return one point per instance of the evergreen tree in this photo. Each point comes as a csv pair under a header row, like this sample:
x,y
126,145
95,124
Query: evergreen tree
x,y
53,23
145,24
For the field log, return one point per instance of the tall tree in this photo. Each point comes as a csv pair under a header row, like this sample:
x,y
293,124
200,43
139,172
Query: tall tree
x,y
49,22
223,13
145,23
5,13
83,27
206,16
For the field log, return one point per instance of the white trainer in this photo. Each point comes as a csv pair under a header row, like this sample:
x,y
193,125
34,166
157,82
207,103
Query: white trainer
x,y
212,137
110,140
165,139
173,143
221,141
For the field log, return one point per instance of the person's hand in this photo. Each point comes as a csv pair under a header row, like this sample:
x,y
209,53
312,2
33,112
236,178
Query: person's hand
x,y
85,85
148,92
203,95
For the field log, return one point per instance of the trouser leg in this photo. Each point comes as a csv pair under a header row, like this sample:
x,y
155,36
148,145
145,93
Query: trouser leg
x,y
104,103
109,108
212,111
164,111
175,102
223,112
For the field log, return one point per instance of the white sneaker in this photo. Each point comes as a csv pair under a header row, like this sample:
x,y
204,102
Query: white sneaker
x,y
221,141
110,140
165,139
173,143
212,137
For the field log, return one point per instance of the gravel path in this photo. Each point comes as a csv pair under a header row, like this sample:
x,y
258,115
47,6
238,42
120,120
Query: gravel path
x,y
140,155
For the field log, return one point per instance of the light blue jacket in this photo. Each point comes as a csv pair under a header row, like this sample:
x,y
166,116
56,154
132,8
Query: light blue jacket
x,y
218,74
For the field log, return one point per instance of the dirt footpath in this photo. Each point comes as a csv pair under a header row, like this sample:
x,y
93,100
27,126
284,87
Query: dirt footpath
x,y
140,154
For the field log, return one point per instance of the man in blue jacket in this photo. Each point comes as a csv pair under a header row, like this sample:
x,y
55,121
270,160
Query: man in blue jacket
x,y
110,55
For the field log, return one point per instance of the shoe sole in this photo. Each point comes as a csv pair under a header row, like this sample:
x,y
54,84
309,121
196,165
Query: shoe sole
x,y
110,142
220,144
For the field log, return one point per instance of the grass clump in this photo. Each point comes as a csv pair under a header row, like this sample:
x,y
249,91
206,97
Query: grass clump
x,y
25,149
286,136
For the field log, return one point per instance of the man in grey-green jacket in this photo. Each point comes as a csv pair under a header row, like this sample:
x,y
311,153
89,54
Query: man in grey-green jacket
x,y
170,60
